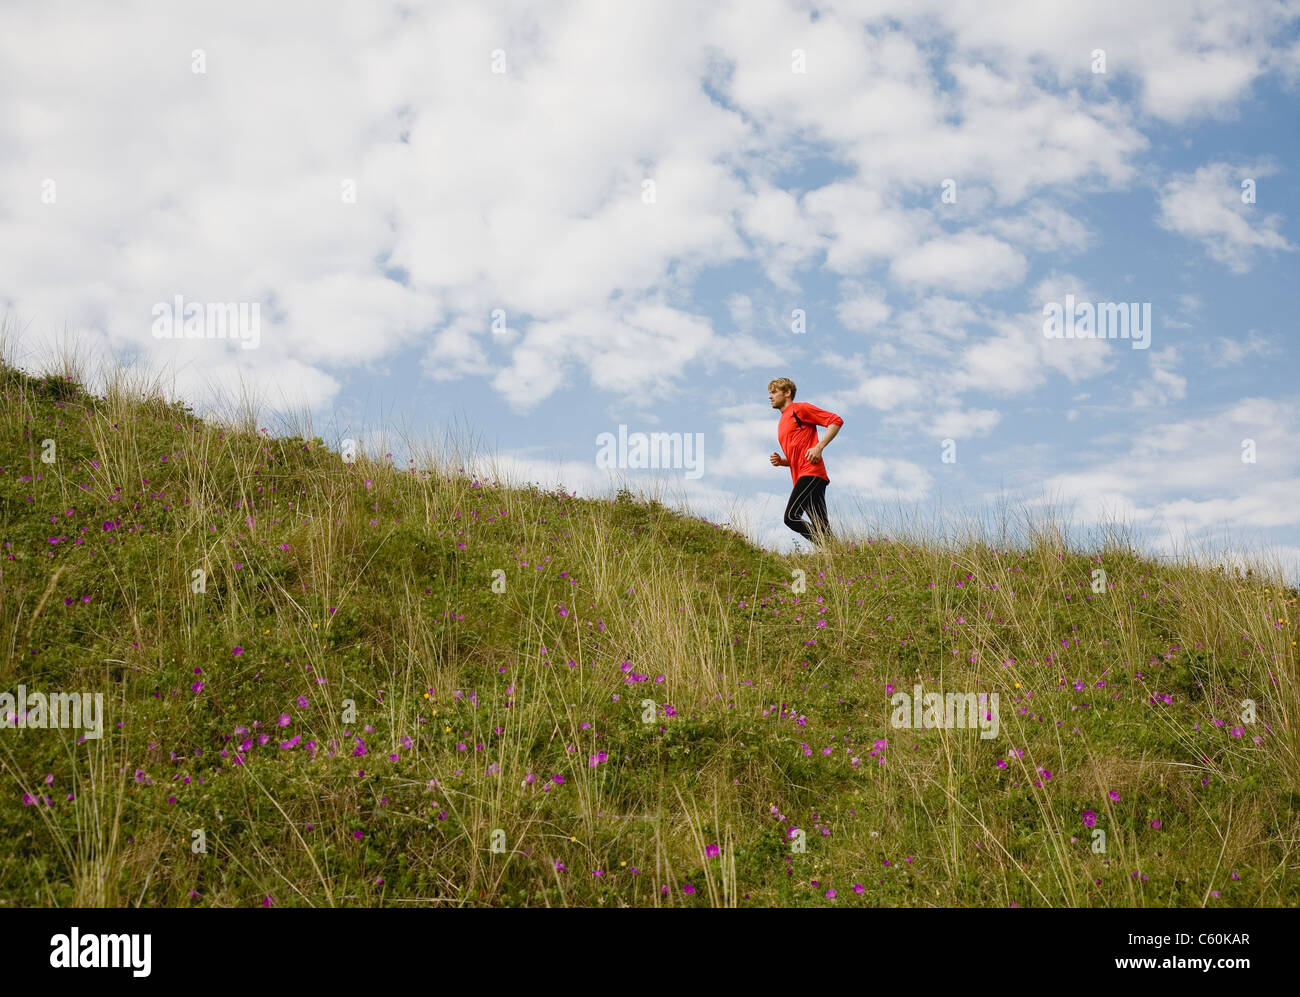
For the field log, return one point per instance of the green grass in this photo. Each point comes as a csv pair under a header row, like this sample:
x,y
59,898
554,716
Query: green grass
x,y
368,595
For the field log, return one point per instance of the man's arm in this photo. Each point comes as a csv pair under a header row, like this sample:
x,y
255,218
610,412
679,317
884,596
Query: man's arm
x,y
815,454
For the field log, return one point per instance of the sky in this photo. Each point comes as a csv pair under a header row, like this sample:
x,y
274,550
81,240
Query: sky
x,y
537,223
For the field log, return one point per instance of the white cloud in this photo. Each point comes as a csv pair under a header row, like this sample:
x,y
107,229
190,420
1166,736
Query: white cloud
x,y
1186,59
1153,482
641,348
964,263
1045,228
1206,206
861,226
747,444
880,478
785,237
1018,357
1164,384
741,309
883,391
1187,82
457,351
1227,351
742,351
958,425
863,311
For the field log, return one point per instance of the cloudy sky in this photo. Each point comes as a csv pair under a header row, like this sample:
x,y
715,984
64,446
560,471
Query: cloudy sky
x,y
539,222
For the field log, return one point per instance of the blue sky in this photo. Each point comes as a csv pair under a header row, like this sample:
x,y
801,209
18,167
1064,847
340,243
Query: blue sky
x,y
798,154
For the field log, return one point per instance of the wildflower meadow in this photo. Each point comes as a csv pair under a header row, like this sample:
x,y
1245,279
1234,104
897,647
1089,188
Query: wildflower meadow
x,y
329,680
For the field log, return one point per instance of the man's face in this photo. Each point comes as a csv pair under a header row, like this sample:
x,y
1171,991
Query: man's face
x,y
778,396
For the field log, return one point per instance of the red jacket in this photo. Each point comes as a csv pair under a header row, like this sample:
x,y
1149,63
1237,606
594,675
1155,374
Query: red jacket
x,y
797,434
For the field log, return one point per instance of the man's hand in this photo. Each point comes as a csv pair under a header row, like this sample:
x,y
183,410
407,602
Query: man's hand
x,y
815,455
778,460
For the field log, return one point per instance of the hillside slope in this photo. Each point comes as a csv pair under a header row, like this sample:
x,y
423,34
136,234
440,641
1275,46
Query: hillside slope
x,y
333,683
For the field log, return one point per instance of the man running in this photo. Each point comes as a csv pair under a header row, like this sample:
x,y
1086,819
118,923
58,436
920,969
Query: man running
x,y
797,434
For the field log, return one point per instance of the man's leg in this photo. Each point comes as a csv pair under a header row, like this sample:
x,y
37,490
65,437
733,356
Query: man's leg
x,y
821,527
794,509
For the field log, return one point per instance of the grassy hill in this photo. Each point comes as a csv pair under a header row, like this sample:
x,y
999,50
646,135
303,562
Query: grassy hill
x,y
337,683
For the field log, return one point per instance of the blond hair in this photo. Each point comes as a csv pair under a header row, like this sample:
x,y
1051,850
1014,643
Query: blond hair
x,y
783,384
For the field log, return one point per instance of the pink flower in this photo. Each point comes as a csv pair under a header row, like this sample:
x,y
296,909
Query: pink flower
x,y
712,851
